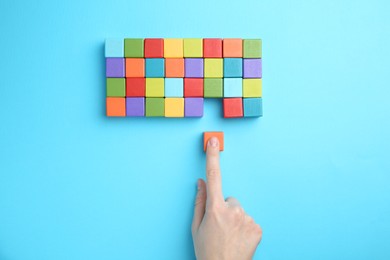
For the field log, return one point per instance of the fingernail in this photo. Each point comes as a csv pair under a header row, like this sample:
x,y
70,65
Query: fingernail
x,y
213,142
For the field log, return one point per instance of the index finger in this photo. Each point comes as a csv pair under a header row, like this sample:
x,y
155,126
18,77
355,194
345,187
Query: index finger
x,y
213,172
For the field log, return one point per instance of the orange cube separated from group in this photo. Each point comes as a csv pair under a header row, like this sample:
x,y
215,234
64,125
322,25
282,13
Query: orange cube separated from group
x,y
208,135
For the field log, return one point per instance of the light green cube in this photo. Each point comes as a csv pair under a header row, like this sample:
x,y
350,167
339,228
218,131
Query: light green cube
x,y
134,48
252,48
155,107
116,87
213,88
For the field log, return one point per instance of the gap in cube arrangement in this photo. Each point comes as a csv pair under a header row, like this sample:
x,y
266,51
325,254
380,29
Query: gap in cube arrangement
x,y
157,77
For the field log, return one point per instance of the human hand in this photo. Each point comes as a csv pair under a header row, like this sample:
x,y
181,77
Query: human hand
x,y
221,229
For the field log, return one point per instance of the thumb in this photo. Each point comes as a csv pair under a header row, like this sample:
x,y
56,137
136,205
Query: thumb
x,y
200,204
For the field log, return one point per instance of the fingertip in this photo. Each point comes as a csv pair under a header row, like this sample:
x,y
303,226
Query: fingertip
x,y
213,143
201,184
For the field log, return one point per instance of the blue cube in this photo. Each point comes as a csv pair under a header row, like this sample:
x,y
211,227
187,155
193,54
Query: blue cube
x,y
114,48
232,87
232,68
253,107
154,68
173,87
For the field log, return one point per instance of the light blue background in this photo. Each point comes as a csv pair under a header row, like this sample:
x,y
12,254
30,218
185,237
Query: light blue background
x,y
314,171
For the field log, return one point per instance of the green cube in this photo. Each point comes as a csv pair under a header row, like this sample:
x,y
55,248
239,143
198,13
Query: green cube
x,y
213,88
252,48
134,48
116,87
155,107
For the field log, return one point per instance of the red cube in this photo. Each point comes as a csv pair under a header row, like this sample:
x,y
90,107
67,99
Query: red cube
x,y
232,107
154,48
135,87
212,48
193,87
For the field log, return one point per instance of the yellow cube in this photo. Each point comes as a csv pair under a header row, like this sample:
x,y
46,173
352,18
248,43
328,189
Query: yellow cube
x,y
154,87
193,48
173,48
252,87
213,68
174,107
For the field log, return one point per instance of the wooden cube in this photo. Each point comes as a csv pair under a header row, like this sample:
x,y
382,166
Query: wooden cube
x,y
193,87
134,48
208,135
232,107
193,107
154,87
174,107
253,107
114,48
115,106
193,48
135,106
252,48
232,87
173,48
252,88
212,48
232,48
135,67
154,107
116,87
213,88
173,87
213,68
135,87
232,67
174,68
154,68
154,48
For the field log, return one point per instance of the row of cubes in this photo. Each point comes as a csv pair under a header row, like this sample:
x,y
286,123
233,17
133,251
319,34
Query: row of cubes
x,y
179,67
187,87
187,48
179,107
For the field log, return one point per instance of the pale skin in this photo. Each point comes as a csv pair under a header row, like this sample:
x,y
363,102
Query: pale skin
x,y
221,230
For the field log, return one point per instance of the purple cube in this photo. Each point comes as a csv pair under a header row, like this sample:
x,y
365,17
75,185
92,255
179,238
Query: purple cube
x,y
252,68
135,106
193,68
193,107
115,67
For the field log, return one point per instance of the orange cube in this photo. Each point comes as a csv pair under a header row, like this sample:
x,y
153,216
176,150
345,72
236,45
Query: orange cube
x,y
135,68
208,135
115,106
232,48
174,68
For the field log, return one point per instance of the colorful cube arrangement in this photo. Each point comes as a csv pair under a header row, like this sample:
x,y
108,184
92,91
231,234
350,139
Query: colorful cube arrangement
x,y
171,77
